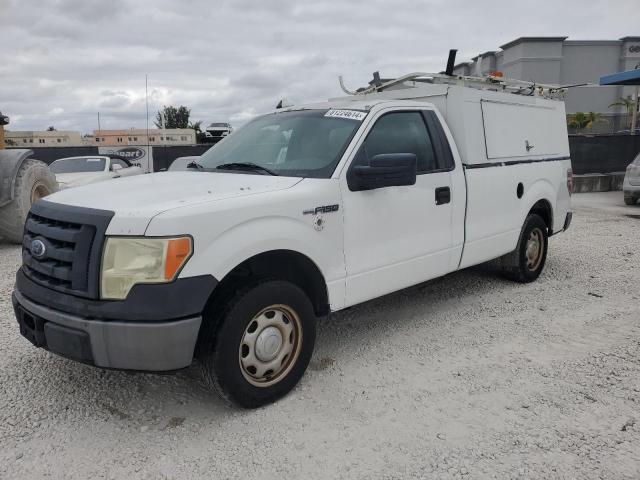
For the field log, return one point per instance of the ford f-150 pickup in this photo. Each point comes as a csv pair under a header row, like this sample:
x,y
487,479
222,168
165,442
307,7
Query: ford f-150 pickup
x,y
303,211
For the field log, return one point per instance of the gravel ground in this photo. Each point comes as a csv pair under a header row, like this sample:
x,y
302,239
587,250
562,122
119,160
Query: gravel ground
x,y
469,376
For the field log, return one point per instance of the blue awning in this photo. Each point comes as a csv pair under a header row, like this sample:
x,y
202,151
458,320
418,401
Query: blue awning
x,y
630,77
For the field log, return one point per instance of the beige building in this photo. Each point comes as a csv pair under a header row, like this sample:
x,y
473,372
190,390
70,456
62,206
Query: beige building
x,y
138,136
34,138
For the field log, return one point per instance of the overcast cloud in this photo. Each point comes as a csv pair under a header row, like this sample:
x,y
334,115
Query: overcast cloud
x,y
63,61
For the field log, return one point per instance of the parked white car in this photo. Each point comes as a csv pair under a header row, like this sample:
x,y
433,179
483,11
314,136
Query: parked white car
x,y
77,171
304,211
631,184
217,131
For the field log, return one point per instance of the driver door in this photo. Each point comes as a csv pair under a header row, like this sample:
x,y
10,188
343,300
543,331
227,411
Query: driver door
x,y
398,236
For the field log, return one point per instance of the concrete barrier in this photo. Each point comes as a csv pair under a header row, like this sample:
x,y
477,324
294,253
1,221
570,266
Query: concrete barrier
x,y
598,182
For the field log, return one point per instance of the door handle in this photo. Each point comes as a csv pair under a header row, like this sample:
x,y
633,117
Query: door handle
x,y
443,195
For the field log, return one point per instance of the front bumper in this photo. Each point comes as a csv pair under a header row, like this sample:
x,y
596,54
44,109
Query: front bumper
x,y
154,329
629,189
109,344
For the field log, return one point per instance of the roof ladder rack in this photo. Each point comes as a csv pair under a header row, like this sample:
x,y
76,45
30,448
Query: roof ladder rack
x,y
489,82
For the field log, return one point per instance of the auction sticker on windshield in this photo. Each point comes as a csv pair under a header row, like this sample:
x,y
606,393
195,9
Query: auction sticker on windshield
x,y
350,114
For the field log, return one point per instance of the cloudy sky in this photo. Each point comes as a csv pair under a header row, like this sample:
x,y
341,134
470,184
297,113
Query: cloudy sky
x,y
63,61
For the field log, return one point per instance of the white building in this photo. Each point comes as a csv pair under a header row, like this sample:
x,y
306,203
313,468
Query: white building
x,y
34,138
138,136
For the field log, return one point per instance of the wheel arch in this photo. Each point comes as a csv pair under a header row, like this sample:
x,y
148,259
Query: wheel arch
x,y
281,264
543,208
538,200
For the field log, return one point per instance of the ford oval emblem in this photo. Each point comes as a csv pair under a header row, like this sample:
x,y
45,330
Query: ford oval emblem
x,y
38,248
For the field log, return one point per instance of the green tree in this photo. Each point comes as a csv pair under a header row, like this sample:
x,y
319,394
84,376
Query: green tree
x,y
628,104
200,135
581,120
173,117
578,121
197,126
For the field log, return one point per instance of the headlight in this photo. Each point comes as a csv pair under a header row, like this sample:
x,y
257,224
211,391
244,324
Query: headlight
x,y
127,261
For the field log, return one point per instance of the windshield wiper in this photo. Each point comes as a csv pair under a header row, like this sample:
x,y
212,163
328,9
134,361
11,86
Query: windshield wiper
x,y
245,166
194,164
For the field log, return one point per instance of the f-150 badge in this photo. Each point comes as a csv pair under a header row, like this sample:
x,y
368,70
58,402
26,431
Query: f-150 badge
x,y
322,209
318,221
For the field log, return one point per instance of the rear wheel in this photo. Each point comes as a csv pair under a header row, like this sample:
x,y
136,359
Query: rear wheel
x,y
34,181
630,200
262,343
526,262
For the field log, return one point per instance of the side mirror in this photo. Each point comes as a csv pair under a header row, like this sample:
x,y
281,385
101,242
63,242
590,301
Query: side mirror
x,y
385,170
115,167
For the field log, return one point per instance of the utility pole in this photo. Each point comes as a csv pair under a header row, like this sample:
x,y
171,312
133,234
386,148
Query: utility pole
x,y
146,101
164,134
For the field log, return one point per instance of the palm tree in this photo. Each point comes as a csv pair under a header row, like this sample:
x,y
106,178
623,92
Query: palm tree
x,y
580,120
628,103
197,126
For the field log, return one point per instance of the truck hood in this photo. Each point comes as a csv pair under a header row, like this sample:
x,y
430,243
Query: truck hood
x,y
136,200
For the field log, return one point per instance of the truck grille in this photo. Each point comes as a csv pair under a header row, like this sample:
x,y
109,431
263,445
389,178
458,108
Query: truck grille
x,y
62,245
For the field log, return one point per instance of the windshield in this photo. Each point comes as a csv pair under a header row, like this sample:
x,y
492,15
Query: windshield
x,y
302,143
74,165
221,125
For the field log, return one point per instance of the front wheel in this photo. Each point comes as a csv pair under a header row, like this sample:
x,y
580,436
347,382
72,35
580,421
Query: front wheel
x,y
630,200
526,262
262,344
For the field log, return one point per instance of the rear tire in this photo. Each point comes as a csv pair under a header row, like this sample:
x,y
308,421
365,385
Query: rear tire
x,y
630,200
34,181
262,343
526,262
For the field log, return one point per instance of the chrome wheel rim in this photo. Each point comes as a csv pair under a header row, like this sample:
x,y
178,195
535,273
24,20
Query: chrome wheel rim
x,y
270,345
534,249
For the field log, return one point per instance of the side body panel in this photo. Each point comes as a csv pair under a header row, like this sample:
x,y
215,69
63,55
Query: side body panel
x,y
395,237
495,214
227,233
526,143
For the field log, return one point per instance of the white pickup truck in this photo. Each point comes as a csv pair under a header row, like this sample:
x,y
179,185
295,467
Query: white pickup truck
x,y
78,171
301,212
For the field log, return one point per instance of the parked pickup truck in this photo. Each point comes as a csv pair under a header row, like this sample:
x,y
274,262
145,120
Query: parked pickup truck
x,y
302,212
77,171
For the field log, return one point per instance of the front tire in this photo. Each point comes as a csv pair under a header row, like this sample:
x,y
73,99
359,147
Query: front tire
x,y
262,343
526,262
630,200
